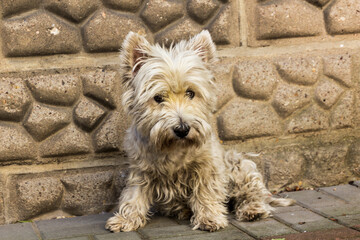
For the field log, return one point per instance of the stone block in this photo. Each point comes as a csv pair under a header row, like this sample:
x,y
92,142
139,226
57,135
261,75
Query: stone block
x,y
125,5
120,235
68,141
16,143
72,9
300,70
342,17
255,79
310,119
103,86
57,89
19,231
106,30
45,120
14,99
347,192
88,114
222,28
39,33
35,194
160,222
169,232
342,115
88,193
339,233
160,13
108,136
18,6
338,67
284,19
351,220
202,10
289,98
327,93
242,119
353,159
175,33
340,210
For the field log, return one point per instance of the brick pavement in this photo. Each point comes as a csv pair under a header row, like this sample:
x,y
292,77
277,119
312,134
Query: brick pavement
x,y
325,213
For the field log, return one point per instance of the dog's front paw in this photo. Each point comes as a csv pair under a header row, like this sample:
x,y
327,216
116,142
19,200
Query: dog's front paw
x,y
252,212
210,225
119,224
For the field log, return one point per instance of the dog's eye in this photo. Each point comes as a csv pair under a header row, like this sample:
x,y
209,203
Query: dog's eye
x,y
190,94
159,98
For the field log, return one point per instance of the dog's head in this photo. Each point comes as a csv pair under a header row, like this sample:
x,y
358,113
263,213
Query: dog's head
x,y
169,93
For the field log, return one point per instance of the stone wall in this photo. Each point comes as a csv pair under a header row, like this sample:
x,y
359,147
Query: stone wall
x,y
288,88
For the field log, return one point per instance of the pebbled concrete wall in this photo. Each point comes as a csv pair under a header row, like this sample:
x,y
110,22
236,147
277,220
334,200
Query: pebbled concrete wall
x,y
288,88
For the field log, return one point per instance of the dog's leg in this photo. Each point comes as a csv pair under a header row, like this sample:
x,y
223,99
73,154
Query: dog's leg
x,y
133,210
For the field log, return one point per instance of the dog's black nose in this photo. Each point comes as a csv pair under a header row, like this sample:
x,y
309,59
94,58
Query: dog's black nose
x,y
182,130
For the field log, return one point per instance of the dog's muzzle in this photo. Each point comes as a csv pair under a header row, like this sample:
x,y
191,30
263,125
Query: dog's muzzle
x,y
182,130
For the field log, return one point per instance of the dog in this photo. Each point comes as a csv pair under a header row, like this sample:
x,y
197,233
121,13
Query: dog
x,y
175,159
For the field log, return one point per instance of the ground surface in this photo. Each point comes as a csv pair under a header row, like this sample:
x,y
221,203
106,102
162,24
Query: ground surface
x,y
325,213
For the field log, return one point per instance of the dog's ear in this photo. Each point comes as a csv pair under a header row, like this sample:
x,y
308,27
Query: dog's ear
x,y
203,45
134,52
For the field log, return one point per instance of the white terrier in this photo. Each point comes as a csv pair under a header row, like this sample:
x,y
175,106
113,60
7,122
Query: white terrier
x,y
175,159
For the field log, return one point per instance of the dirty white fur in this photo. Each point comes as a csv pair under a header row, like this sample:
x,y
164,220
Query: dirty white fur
x,y
184,177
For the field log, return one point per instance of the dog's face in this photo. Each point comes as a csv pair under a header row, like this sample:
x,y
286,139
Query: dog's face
x,y
169,92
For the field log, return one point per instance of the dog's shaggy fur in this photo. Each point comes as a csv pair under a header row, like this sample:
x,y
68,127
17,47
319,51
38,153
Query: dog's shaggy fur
x,y
175,159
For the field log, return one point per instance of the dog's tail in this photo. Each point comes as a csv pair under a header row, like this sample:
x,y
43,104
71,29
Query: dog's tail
x,y
281,202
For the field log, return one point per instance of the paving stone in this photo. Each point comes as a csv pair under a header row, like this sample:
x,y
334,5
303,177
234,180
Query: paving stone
x,y
19,231
102,85
221,27
45,120
16,143
347,192
289,98
58,89
119,236
125,5
88,114
263,228
88,193
72,9
340,210
343,113
243,119
255,79
282,19
69,141
351,220
18,6
318,2
201,10
76,238
169,232
310,119
294,208
74,227
159,13
160,221
106,30
300,70
108,137
39,33
342,17
327,93
35,195
353,159
338,67
14,99
183,30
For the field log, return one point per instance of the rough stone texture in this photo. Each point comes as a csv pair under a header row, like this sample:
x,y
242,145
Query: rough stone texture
x,y
39,33
255,79
201,10
289,98
88,193
343,114
16,143
102,85
106,30
342,17
18,6
108,136
221,28
73,9
45,120
310,119
327,93
338,67
159,13
88,114
36,195
14,99
283,19
58,89
300,70
69,141
247,119
353,159
125,5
